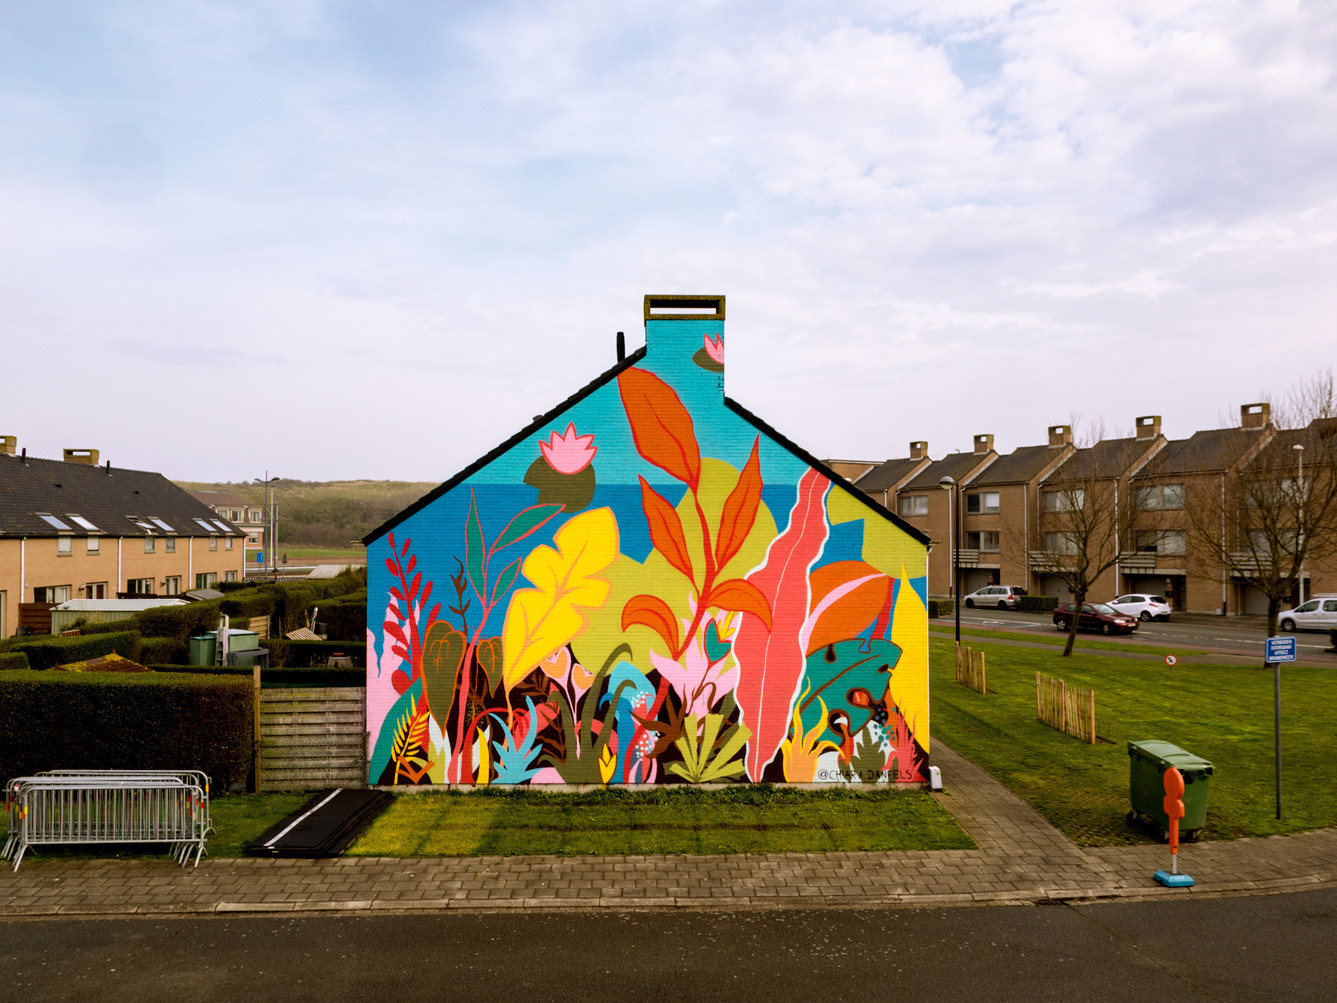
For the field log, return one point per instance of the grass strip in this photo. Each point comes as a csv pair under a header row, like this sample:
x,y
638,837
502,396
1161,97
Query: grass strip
x,y
762,819
1220,712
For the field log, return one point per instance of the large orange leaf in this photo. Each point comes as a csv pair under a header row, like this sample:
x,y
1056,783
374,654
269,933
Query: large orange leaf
x,y
666,529
652,612
847,596
742,596
660,425
740,509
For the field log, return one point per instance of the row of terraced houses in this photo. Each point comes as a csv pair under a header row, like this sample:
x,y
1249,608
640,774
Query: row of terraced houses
x,y
1011,521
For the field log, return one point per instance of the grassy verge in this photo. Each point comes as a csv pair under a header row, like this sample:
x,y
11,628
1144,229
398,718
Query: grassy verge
x,y
296,555
672,820
1220,712
1056,640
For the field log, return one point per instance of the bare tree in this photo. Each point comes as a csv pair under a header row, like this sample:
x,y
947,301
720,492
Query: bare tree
x,y
1279,511
1085,519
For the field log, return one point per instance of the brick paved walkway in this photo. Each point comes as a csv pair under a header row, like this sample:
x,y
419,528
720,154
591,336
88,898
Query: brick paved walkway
x,y
1021,858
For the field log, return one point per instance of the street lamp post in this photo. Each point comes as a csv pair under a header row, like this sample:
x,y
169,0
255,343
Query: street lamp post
x,y
954,520
271,524
1299,513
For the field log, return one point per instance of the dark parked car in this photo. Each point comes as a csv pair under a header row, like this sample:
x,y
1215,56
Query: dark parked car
x,y
1095,616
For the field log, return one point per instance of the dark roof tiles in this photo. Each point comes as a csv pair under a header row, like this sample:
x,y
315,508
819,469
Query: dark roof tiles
x,y
113,500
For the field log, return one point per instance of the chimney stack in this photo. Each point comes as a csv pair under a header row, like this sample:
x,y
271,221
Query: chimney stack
x,y
1060,435
1255,415
918,449
9,445
1148,426
983,443
88,457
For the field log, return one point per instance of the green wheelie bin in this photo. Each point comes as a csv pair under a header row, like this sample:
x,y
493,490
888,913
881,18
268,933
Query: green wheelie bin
x,y
1148,762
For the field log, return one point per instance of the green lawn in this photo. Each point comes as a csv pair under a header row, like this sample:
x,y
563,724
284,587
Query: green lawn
x,y
1220,712
739,819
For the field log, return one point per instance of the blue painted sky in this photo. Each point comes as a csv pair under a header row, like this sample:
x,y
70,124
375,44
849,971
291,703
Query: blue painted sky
x,y
373,240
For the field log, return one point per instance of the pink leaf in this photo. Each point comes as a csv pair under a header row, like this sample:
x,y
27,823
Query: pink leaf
x,y
771,662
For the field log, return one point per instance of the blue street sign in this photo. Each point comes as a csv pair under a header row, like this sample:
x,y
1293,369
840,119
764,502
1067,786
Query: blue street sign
x,y
1281,649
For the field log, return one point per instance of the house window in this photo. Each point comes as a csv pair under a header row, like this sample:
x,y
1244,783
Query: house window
x,y
213,543
986,541
206,580
51,593
233,515
169,544
227,543
172,585
1060,543
150,544
229,576
914,505
94,544
982,502
64,546
1065,500
1160,496
95,590
1160,541
252,538
139,586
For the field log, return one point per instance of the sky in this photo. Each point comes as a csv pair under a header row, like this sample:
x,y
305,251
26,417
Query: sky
x,y
332,239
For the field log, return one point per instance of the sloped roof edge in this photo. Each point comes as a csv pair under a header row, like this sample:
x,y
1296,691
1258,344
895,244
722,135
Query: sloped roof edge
x,y
534,426
826,471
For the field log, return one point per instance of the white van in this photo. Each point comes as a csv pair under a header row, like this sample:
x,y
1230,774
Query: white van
x,y
1319,613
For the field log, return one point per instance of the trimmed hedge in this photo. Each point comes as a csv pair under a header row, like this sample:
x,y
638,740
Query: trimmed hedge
x,y
301,654
941,607
115,720
1037,604
345,618
315,676
13,660
45,653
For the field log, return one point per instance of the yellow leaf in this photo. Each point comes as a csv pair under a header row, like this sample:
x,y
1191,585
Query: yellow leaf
x,y
542,619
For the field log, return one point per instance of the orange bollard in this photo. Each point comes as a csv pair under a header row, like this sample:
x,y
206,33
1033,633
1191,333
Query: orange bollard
x,y
1174,811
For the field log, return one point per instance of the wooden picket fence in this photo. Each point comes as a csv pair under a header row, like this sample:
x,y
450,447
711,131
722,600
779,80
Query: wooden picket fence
x,y
970,668
1069,709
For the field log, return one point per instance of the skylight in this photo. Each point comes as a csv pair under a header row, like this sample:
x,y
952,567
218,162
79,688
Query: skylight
x,y
205,526
53,522
84,523
160,524
222,526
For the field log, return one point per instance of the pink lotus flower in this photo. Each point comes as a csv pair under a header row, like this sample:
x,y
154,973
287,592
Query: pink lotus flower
x,y
568,453
715,347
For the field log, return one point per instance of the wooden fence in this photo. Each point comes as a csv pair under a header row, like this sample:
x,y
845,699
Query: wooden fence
x,y
970,669
1067,708
310,738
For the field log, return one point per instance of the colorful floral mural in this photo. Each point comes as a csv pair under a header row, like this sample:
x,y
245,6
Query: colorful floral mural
x,y
652,588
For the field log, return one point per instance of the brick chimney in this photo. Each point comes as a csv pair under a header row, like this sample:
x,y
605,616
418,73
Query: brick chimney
x,y
88,457
9,445
1255,415
918,449
1148,426
1060,435
684,344
983,443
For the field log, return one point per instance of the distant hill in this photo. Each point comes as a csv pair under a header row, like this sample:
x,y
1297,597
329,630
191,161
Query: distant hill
x,y
326,513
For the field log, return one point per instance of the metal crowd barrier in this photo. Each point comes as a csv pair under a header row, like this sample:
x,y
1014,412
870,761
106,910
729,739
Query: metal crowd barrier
x,y
67,807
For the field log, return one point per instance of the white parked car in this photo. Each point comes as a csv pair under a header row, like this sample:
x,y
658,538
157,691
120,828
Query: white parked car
x,y
1143,606
1319,613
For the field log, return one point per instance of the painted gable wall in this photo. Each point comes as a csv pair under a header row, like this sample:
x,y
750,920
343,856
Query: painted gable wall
x,y
664,560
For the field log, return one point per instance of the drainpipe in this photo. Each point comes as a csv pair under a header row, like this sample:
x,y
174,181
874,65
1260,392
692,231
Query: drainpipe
x,y
23,567
1225,565
120,582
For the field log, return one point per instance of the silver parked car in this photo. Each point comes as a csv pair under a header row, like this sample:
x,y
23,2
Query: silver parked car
x,y
1000,596
1143,606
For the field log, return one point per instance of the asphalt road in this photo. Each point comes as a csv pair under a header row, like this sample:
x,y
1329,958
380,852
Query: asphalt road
x,y
1255,948
1198,633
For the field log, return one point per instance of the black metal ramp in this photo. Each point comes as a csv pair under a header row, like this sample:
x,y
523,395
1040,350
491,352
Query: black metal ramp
x,y
324,826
